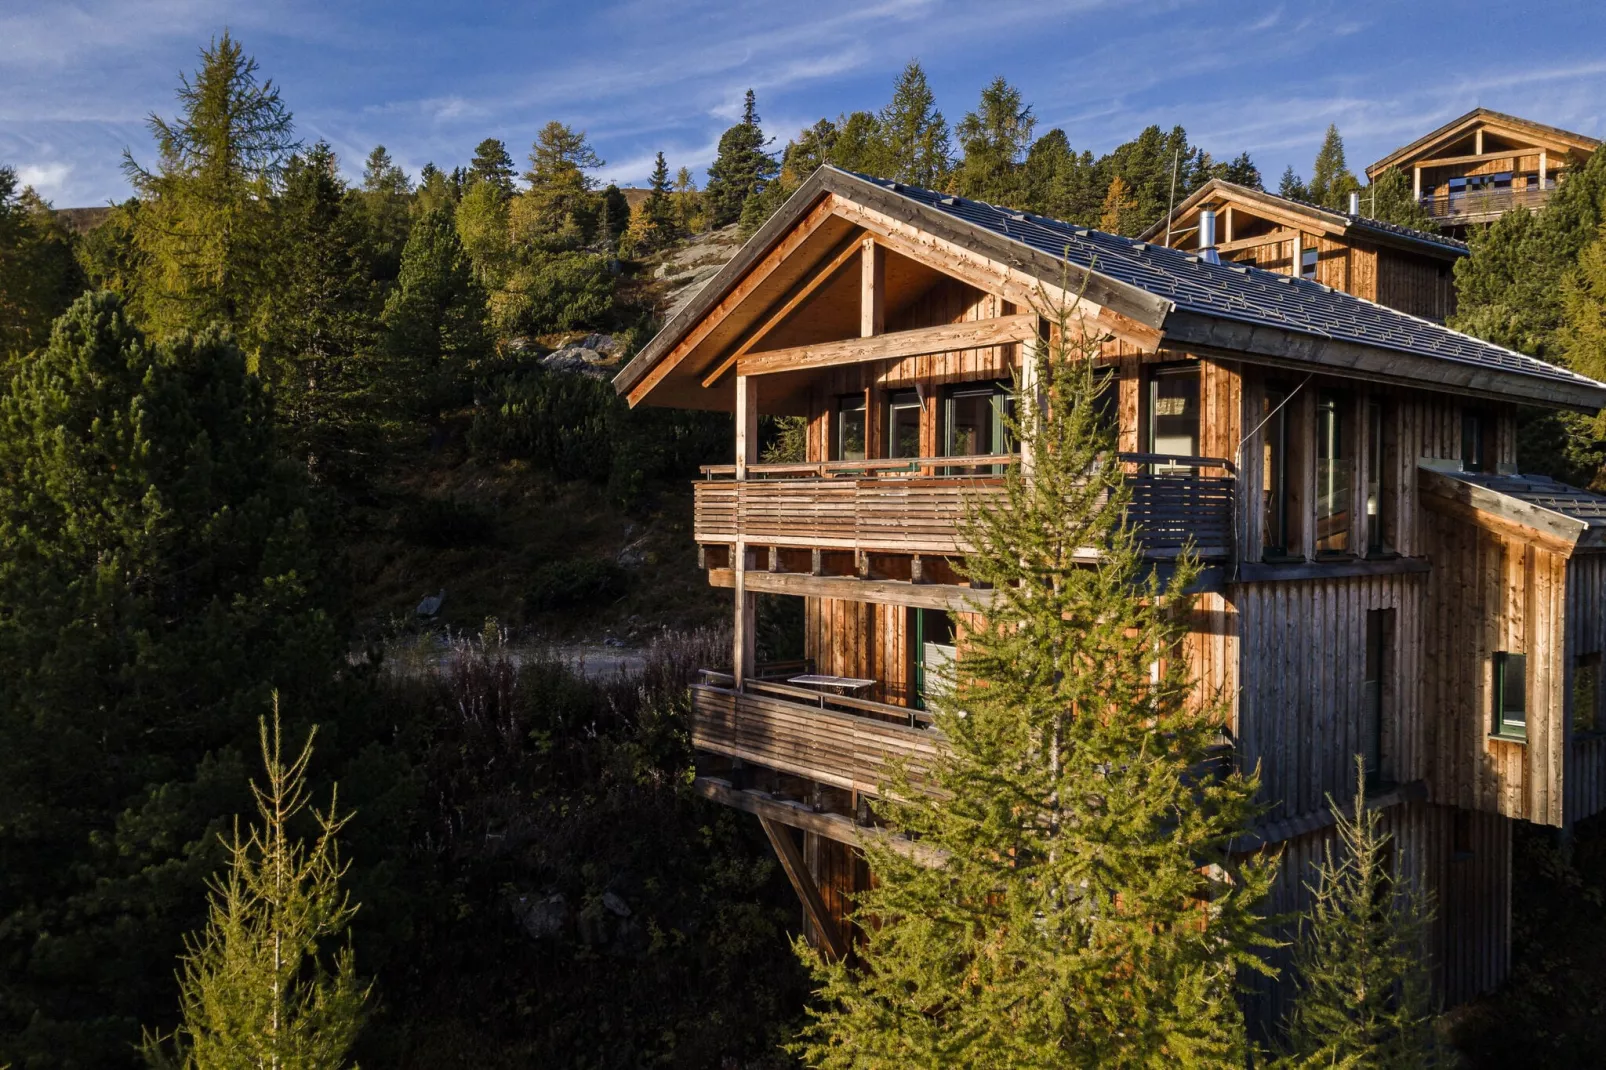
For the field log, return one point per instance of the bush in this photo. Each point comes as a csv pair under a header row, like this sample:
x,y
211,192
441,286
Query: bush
x,y
579,583
555,292
444,523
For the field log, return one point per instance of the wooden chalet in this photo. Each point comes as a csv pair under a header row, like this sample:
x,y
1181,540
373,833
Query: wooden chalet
x,y
1381,581
1478,167
1407,269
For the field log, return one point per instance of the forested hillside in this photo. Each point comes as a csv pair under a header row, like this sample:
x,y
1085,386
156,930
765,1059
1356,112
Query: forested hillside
x,y
260,411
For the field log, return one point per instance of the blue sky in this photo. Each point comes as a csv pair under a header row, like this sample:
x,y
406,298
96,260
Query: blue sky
x,y
430,80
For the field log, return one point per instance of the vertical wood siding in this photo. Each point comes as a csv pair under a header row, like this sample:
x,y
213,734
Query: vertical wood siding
x,y
1584,775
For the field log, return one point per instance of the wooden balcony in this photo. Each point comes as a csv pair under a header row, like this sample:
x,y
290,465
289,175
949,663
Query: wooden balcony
x,y
917,506
1481,206
844,742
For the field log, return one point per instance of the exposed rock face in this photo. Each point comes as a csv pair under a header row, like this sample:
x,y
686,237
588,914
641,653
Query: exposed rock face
x,y
592,355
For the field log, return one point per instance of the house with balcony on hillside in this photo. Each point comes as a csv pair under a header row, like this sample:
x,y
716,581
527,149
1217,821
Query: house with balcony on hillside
x,y
1407,269
1476,168
1382,580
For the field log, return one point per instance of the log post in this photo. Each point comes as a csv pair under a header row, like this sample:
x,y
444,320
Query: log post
x,y
745,621
872,289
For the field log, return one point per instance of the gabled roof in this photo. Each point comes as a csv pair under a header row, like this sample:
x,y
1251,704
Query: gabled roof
x,y
1228,310
1574,516
1457,127
1331,221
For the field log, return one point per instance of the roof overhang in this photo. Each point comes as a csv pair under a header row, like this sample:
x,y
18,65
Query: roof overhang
x,y
1500,122
1550,524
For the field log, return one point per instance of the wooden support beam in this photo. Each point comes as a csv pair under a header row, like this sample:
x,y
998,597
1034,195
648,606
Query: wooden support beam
x,y
1281,234
944,338
1544,165
746,424
872,289
919,594
744,624
1226,224
1416,181
838,827
786,850
799,293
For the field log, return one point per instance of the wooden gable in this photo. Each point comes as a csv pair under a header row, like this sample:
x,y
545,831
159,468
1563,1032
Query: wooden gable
x,y
1484,136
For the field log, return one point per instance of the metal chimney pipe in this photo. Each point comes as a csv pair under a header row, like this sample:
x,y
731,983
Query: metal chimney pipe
x,y
1207,236
1354,202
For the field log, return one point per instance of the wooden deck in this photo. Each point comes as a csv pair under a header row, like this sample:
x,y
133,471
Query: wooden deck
x,y
918,506
846,743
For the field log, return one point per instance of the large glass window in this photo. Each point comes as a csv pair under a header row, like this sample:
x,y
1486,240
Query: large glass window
x,y
1375,503
1174,414
848,440
1308,259
1274,474
1376,715
934,653
903,424
1335,473
974,423
1510,694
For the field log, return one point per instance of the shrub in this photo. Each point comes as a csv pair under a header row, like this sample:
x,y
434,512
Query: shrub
x,y
578,583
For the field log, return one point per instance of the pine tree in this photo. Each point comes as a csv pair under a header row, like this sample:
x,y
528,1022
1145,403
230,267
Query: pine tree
x,y
860,144
39,276
914,133
1087,911
1241,170
1059,183
993,140
560,207
205,220
613,219
320,320
1331,182
741,169
1365,992
658,210
1148,166
492,164
1390,199
1583,332
385,198
1292,186
688,202
1119,214
259,987
437,191
434,320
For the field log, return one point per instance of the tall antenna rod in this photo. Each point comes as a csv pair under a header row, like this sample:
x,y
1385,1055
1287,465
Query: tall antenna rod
x,y
1176,158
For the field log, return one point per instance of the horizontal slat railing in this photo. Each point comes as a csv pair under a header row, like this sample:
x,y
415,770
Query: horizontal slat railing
x,y
853,751
916,506
1484,202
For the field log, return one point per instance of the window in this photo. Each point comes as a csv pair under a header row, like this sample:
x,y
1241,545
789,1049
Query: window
x,y
1376,690
1458,188
1375,501
1473,441
934,652
1174,414
1586,693
974,424
903,424
1274,541
848,444
1308,259
1511,695
1335,471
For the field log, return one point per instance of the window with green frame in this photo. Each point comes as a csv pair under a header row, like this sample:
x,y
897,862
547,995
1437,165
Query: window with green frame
x,y
975,423
934,651
847,439
1511,695
903,424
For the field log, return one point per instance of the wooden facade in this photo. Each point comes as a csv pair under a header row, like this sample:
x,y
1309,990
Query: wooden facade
x,y
1403,269
1477,167
1371,546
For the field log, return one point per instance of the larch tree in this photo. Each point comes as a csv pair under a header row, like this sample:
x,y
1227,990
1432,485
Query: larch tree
x,y
559,207
483,227
914,132
993,140
434,321
1086,909
688,202
205,221
272,982
1365,995
741,169
1119,213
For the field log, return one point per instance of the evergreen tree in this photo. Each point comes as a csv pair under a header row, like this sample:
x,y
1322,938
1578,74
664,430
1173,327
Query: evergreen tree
x,y
688,202
1292,186
1086,911
1365,992
1119,213
483,227
741,169
39,276
1059,183
257,987
1331,182
385,199
436,192
613,219
1582,336
1391,200
1148,166
994,139
205,220
434,320
1240,169
320,319
914,133
859,144
109,255
159,571
655,223
560,207
492,164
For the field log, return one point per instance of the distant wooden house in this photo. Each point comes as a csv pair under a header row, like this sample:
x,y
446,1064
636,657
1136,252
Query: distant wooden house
x,y
1381,582
1478,167
1411,270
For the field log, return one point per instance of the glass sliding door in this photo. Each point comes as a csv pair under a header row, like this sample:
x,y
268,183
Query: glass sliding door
x,y
975,425
1174,416
1335,473
903,424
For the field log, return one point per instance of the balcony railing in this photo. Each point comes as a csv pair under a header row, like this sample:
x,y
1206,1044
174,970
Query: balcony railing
x,y
1477,205
918,505
845,742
